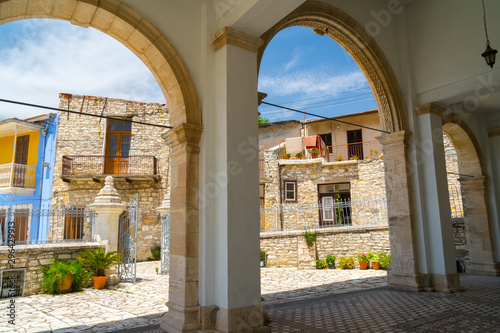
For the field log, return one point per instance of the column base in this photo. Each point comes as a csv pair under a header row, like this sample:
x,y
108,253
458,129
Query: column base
x,y
245,320
405,282
484,268
185,319
447,283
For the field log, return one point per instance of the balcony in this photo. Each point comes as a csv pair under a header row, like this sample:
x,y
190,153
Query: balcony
x,y
355,151
98,167
17,178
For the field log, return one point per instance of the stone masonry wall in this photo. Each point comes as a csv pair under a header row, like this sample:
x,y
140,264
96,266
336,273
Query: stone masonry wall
x,y
287,249
85,135
33,257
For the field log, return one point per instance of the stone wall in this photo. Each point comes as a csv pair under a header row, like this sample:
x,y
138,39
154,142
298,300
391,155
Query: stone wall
x,y
289,249
84,135
33,257
366,178
454,188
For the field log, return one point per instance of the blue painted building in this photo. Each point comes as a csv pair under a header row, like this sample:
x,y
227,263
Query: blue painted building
x,y
27,156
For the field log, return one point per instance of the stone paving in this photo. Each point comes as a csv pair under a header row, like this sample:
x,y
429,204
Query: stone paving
x,y
129,306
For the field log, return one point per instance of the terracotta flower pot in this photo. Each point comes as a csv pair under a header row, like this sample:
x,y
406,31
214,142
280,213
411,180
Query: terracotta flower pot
x,y
363,265
376,265
65,285
99,281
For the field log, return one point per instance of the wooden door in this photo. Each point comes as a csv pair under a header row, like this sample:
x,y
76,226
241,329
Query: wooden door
x,y
354,144
21,218
117,147
22,148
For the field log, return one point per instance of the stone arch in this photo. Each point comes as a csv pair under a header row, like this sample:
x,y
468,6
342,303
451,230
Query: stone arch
x,y
328,20
466,145
130,28
137,33
473,183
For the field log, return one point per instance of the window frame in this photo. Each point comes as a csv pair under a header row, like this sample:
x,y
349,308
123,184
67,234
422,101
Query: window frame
x,y
295,194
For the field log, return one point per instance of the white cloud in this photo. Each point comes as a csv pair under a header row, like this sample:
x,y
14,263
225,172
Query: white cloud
x,y
43,58
311,83
294,61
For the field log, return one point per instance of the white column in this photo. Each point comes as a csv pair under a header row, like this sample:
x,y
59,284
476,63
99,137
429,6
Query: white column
x,y
233,190
436,213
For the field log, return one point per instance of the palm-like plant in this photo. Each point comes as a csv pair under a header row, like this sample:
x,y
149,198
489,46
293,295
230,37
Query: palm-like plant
x,y
98,261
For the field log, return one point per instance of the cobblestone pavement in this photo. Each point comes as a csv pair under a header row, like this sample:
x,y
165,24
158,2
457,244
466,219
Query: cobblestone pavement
x,y
132,306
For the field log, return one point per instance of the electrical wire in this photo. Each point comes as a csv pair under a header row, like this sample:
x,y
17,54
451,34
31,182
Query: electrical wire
x,y
331,118
273,111
81,113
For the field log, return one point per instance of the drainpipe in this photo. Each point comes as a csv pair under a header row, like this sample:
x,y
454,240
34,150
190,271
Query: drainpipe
x,y
281,195
44,135
13,156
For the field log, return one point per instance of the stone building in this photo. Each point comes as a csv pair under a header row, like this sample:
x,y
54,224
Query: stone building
x,y
90,148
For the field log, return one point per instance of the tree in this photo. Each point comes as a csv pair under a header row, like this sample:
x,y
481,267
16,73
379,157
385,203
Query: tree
x,y
263,120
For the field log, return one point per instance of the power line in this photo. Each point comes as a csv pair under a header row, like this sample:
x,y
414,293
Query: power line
x,y
81,113
336,94
332,118
272,111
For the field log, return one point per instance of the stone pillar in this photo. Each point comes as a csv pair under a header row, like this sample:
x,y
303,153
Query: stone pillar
x,y
183,307
404,271
165,206
477,230
230,290
441,274
108,206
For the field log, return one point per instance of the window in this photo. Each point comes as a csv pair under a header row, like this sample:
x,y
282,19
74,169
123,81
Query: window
x,y
335,204
290,191
73,222
22,147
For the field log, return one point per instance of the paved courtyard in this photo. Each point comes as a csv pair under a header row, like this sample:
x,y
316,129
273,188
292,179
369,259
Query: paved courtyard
x,y
131,306
297,301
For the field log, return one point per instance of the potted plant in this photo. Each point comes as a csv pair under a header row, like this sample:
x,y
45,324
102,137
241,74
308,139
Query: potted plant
x,y
286,156
339,159
385,259
321,264
97,261
363,259
376,262
262,258
330,260
61,277
346,263
314,152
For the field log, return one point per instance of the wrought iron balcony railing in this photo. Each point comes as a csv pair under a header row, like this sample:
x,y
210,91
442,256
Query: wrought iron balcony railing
x,y
92,165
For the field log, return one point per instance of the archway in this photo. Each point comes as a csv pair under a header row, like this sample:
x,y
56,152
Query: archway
x,y
328,20
133,30
473,183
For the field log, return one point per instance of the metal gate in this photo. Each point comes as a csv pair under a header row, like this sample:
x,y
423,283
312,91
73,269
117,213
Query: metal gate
x,y
127,243
165,243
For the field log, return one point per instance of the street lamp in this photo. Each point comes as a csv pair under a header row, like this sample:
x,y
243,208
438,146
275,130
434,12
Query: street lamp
x,y
489,54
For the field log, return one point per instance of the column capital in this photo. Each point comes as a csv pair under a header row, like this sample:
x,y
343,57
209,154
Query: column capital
x,y
494,132
394,138
430,108
473,182
237,38
187,135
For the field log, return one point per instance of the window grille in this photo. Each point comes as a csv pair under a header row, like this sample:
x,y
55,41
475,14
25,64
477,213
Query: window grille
x,y
13,281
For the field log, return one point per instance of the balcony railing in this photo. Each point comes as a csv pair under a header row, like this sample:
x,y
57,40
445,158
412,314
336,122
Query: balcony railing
x,y
80,165
17,175
355,151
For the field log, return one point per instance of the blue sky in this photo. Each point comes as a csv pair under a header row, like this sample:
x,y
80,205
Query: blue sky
x,y
301,69
41,58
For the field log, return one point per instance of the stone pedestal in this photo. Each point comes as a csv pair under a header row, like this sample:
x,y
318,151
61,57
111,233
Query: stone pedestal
x,y
108,207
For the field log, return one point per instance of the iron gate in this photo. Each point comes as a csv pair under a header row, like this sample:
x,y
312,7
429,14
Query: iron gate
x,y
127,244
165,243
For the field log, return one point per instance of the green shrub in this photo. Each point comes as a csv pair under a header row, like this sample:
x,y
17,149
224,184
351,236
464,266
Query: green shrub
x,y
262,254
330,258
321,264
156,253
385,259
346,263
57,271
310,237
